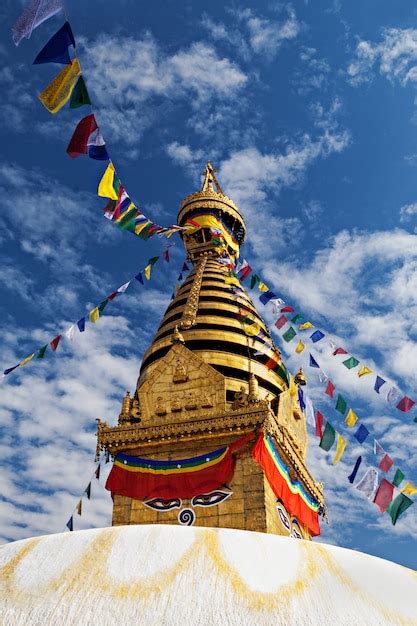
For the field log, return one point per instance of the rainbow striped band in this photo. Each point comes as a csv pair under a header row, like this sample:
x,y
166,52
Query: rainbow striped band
x,y
178,466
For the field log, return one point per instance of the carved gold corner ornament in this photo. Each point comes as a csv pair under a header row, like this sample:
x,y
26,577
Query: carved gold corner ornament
x,y
190,310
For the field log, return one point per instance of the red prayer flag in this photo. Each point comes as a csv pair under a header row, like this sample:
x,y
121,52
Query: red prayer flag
x,y
287,309
386,463
281,321
339,351
244,272
319,424
384,495
82,132
54,343
330,389
405,404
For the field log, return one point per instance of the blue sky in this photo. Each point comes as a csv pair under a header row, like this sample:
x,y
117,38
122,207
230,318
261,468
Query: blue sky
x,y
308,112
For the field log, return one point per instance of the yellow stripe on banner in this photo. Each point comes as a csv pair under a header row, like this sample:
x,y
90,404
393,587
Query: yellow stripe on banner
x,y
176,470
58,92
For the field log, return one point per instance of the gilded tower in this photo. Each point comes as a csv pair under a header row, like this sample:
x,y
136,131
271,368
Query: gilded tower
x,y
206,393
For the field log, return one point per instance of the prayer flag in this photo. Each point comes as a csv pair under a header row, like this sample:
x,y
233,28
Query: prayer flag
x,y
322,376
398,507
351,362
153,260
340,448
81,325
27,359
10,369
409,489
368,483
352,475
262,287
109,184
296,318
330,389
317,336
405,404
103,305
185,267
253,281
69,333
244,271
287,309
393,395
363,371
386,463
70,524
123,287
59,90
351,418
266,297
94,315
79,96
383,497
309,412
281,321
306,325
42,351
35,13
289,334
147,271
361,434
139,278
398,477
54,343
328,437
339,351
319,424
301,399
56,50
88,491
166,255
313,362
341,404
299,347
97,474
79,507
378,383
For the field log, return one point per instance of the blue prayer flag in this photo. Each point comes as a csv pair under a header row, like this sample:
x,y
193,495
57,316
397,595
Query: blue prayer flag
x,y
266,297
139,277
362,433
313,362
56,50
70,524
378,383
81,325
352,476
316,336
10,369
301,399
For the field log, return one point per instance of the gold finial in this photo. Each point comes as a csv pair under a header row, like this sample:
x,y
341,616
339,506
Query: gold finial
x,y
210,178
177,336
253,389
300,378
125,412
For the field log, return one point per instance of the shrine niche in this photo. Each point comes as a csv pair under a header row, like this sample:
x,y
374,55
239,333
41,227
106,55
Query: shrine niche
x,y
183,386
288,417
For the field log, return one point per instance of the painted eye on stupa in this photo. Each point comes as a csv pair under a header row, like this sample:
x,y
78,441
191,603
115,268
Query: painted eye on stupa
x,y
212,498
158,504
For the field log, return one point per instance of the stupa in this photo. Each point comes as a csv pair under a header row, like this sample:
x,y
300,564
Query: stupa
x,y
210,448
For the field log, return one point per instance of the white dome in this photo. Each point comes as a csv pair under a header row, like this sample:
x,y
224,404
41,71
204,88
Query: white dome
x,y
168,575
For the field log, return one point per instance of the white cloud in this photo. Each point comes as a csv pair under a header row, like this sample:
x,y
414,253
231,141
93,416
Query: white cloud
x,y
186,157
408,211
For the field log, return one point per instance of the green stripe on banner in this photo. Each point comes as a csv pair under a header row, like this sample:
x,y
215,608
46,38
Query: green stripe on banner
x,y
289,334
328,438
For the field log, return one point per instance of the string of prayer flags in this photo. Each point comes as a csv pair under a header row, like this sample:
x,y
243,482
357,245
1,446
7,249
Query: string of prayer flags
x,y
398,506
383,496
79,96
341,404
328,438
34,14
364,371
313,362
59,90
368,483
56,50
340,448
289,334
351,362
352,475
317,336
87,139
361,434
398,477
351,418
319,424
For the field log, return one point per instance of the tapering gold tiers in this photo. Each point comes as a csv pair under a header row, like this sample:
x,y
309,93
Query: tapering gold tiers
x,y
204,382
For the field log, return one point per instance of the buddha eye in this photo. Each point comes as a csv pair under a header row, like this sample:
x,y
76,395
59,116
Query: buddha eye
x,y
212,498
283,516
158,504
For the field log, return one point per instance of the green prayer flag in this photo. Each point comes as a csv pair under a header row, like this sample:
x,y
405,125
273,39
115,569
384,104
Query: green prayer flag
x,y
254,279
296,318
398,506
41,352
102,305
289,334
398,478
153,260
328,437
351,362
341,404
79,96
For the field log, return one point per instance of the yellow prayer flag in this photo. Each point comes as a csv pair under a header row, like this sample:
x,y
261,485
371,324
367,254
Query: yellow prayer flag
x,y
79,507
139,227
94,315
105,187
231,280
364,371
340,448
306,325
58,92
262,287
409,489
300,347
251,329
351,418
147,271
28,358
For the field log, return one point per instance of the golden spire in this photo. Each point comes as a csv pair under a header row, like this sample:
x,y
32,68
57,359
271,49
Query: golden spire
x,y
210,178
